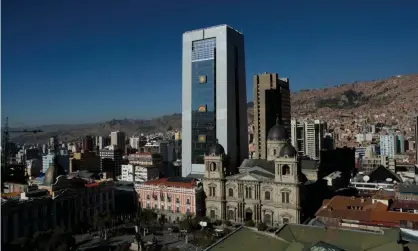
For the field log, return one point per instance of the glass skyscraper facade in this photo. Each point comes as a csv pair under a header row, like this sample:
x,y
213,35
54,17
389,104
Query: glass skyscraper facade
x,y
203,98
214,96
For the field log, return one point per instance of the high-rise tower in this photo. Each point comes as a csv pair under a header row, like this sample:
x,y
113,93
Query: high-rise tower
x,y
271,100
214,96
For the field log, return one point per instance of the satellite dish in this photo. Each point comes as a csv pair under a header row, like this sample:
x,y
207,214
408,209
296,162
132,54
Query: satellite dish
x,y
389,180
366,178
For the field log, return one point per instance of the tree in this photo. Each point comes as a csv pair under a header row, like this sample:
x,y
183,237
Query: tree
x,y
162,220
261,226
250,223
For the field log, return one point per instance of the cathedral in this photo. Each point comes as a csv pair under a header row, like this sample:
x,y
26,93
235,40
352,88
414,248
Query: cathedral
x,y
268,191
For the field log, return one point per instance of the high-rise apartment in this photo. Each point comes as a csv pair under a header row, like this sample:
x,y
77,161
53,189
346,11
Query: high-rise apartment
x,y
271,101
416,139
102,141
117,138
388,145
88,143
308,137
214,96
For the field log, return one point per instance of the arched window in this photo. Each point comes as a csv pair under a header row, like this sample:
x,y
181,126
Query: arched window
x,y
212,167
274,152
231,192
267,195
285,170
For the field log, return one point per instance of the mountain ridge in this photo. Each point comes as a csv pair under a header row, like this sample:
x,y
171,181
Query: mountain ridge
x,y
396,96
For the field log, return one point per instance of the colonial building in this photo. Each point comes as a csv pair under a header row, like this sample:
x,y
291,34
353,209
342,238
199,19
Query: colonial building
x,y
174,197
268,191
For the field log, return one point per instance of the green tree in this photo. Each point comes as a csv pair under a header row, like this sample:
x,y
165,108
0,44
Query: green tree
x,y
162,220
261,226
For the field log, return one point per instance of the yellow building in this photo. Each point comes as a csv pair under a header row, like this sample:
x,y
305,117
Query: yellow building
x,y
85,160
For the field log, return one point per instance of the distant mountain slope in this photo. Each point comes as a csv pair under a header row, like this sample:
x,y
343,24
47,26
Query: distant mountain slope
x,y
396,97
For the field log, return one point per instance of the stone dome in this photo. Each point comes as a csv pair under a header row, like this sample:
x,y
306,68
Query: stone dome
x,y
216,149
277,132
52,173
288,151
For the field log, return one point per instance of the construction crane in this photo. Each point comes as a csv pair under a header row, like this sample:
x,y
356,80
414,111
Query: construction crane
x,y
6,138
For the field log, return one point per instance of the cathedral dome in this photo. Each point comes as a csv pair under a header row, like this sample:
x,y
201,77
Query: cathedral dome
x,y
216,149
52,173
288,151
277,132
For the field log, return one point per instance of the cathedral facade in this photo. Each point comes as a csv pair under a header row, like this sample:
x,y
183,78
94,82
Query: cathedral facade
x,y
268,191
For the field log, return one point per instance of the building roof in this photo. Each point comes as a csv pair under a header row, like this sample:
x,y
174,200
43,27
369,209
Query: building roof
x,y
216,149
264,164
410,204
245,239
293,237
288,151
360,209
408,188
173,182
277,133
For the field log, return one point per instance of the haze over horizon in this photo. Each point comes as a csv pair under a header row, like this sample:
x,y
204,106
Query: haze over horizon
x,y
123,59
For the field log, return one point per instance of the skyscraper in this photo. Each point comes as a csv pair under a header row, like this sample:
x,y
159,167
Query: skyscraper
x,y
117,138
416,139
214,96
271,101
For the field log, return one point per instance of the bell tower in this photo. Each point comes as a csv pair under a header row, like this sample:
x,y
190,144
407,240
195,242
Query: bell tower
x,y
214,182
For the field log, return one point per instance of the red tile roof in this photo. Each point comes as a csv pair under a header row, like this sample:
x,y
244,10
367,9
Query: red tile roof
x,y
406,204
91,185
365,211
191,183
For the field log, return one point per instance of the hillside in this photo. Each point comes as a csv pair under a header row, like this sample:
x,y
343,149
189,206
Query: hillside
x,y
395,97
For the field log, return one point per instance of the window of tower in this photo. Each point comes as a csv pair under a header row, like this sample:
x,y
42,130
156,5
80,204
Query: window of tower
x,y
212,167
274,152
267,195
231,192
285,170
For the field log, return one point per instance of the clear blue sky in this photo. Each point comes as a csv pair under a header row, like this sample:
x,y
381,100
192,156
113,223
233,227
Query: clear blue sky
x,y
72,61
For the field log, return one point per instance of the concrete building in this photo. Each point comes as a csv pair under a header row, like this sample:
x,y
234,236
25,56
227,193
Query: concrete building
x,y
111,160
297,135
85,160
117,138
214,96
139,174
388,145
167,151
64,203
175,197
48,160
34,167
314,134
271,101
308,137
88,143
134,142
400,144
102,142
416,139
